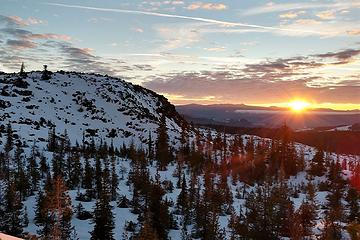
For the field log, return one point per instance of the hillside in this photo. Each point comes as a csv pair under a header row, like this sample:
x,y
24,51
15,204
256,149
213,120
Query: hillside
x,y
98,106
186,183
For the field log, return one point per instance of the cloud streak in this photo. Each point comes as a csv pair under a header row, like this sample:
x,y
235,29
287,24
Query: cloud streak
x,y
272,7
199,19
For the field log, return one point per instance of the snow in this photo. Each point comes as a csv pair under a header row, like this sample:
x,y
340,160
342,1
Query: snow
x,y
116,105
99,89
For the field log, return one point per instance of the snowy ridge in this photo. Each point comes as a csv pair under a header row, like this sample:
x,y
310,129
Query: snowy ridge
x,y
99,106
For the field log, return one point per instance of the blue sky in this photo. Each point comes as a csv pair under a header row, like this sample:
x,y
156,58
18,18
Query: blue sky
x,y
253,52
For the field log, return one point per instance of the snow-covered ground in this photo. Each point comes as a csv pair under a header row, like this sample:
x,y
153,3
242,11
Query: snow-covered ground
x,y
108,108
80,102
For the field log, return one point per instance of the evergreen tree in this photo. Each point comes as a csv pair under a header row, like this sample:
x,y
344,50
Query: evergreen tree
x,y
352,199
52,143
147,232
33,169
317,165
162,145
9,138
46,74
88,175
114,180
22,72
150,153
103,218
57,212
12,223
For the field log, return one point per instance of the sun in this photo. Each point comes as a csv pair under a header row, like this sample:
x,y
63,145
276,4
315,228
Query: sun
x,y
298,105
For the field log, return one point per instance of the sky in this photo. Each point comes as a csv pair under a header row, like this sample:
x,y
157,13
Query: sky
x,y
254,52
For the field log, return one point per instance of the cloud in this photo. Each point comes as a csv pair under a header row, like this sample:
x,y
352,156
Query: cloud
x,y
18,21
215,49
343,57
178,35
51,36
19,38
25,22
56,50
138,29
21,44
199,19
224,87
275,81
326,15
206,6
354,32
274,7
291,15
313,27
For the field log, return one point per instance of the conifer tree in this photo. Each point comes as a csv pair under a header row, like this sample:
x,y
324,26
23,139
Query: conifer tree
x,y
162,145
150,153
12,223
114,180
52,144
317,165
22,72
352,198
57,212
103,217
9,139
147,232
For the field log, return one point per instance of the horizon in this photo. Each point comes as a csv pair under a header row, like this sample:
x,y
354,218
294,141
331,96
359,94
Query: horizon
x,y
262,53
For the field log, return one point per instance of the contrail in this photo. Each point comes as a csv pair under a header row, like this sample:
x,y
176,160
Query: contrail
x,y
207,20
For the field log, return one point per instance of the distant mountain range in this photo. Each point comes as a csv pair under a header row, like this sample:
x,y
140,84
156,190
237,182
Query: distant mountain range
x,y
255,116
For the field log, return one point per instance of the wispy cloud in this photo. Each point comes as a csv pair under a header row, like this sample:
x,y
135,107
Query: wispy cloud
x,y
206,6
291,15
138,29
273,7
275,80
320,28
25,22
326,15
200,19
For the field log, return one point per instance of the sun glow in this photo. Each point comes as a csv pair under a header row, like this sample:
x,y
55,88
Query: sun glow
x,y
298,105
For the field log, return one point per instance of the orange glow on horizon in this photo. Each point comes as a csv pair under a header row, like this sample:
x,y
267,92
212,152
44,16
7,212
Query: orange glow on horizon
x,y
298,106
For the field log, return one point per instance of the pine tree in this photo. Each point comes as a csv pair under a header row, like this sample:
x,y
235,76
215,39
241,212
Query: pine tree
x,y
114,180
183,201
98,177
103,218
88,175
22,72
9,138
40,208
352,199
46,74
150,153
58,212
317,165
12,223
331,230
147,232
162,145
52,143
75,170
33,169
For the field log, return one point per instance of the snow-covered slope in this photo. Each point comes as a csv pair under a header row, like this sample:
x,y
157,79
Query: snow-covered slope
x,y
99,106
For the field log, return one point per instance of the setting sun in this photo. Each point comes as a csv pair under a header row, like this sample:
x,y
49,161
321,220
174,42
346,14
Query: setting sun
x,y
298,106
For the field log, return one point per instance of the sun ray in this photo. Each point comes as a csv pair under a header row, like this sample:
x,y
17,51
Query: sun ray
x,y
298,105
